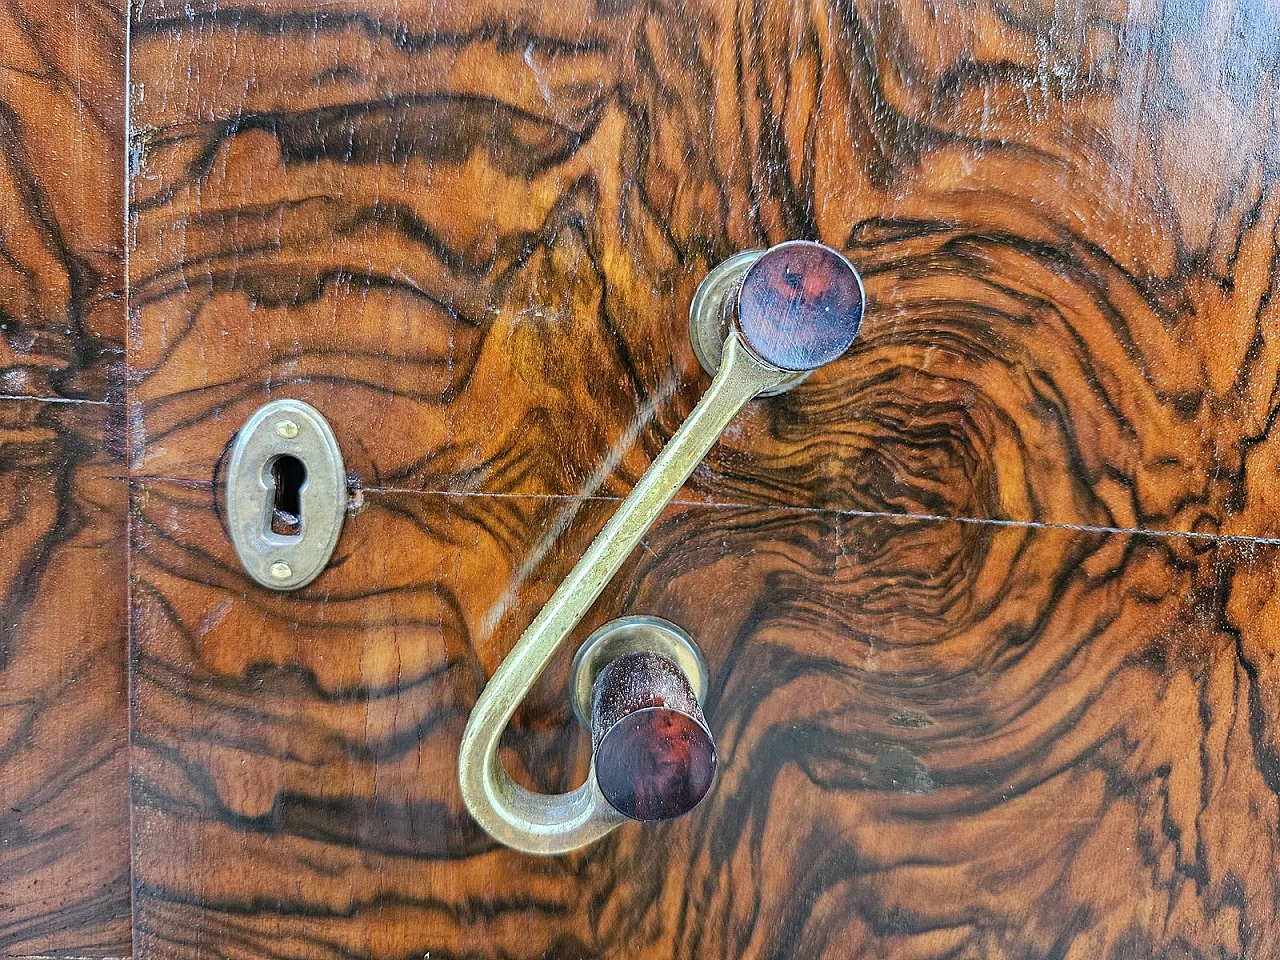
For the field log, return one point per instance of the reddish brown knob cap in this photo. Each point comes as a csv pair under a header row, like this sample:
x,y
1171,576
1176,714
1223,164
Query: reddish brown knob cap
x,y
800,305
654,756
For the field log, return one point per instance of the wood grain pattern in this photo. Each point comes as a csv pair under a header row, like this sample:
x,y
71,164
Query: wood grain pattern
x,y
988,602
64,793
64,788
1036,743
423,215
62,314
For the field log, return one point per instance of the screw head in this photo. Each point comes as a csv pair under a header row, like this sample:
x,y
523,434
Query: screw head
x,y
281,570
287,429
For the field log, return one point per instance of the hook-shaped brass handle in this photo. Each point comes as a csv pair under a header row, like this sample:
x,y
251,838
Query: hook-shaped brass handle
x,y
760,322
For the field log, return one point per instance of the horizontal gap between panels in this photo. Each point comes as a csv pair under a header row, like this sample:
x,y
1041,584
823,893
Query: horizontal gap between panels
x,y
1217,538
79,401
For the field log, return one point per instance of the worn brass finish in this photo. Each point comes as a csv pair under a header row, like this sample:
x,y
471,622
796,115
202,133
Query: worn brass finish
x,y
634,634
282,428
551,824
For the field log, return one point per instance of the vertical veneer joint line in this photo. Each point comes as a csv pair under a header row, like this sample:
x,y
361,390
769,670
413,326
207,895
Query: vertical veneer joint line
x,y
127,392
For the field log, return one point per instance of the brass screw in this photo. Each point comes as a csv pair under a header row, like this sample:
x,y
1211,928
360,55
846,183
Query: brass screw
x,y
281,570
287,429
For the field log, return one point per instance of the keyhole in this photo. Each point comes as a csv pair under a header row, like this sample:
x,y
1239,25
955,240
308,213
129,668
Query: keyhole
x,y
286,514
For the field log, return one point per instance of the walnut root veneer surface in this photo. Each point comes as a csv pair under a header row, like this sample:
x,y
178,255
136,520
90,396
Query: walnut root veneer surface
x,y
989,603
64,774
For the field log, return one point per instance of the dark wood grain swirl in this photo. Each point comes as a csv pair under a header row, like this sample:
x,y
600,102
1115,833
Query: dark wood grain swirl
x,y
423,216
62,199
935,739
64,792
988,603
64,779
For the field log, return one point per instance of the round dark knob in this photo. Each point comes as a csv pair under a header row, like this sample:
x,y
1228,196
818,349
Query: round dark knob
x,y
654,756
800,305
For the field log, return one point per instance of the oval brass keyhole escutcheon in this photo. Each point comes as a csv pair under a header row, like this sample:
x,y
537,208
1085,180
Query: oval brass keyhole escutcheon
x,y
286,494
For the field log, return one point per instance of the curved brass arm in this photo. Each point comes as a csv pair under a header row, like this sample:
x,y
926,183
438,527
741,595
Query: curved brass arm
x,y
539,823
550,824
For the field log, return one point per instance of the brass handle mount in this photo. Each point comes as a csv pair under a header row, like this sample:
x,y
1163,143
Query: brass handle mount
x,y
760,323
636,684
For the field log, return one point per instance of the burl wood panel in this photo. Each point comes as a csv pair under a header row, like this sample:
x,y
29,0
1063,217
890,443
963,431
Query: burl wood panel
x,y
62,315
475,229
936,739
64,787
64,777
990,681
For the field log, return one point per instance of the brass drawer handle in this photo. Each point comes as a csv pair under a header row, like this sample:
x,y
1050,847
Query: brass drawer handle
x,y
760,322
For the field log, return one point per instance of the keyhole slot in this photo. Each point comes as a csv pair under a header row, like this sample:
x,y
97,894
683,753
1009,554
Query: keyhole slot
x,y
289,477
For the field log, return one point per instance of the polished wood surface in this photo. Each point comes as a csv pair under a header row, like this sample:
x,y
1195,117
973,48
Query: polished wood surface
x,y
987,613
475,230
64,787
62,199
936,738
64,779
